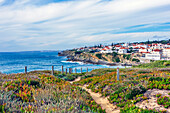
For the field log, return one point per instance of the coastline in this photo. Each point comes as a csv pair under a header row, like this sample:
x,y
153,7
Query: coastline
x,y
98,63
89,60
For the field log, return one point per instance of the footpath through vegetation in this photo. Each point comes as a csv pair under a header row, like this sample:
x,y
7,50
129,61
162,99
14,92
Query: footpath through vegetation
x,y
132,89
137,91
103,101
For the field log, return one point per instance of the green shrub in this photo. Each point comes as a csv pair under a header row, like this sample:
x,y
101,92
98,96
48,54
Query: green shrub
x,y
69,78
136,90
99,56
165,101
143,71
136,60
117,59
134,109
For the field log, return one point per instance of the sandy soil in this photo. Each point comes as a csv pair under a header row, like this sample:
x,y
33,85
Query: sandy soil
x,y
76,80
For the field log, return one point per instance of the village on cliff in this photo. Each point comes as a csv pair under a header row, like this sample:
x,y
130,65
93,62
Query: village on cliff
x,y
146,51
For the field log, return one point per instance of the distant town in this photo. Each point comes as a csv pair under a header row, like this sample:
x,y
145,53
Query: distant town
x,y
144,51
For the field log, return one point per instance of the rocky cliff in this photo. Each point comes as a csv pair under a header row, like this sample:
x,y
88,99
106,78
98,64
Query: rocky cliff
x,y
98,58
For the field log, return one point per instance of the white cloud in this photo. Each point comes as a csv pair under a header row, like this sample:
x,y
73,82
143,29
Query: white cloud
x,y
1,1
68,24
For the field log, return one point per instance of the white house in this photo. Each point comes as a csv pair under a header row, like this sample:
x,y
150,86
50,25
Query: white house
x,y
118,46
157,46
107,50
125,44
166,53
142,49
123,50
154,55
167,45
136,49
142,45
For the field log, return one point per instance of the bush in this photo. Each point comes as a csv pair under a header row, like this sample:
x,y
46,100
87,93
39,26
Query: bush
x,y
69,78
99,56
136,60
117,60
143,71
114,54
134,109
156,78
135,91
78,52
165,101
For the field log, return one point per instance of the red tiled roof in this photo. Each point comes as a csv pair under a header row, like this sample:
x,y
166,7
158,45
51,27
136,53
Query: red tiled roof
x,y
118,46
157,50
136,48
142,48
107,47
145,52
155,44
124,48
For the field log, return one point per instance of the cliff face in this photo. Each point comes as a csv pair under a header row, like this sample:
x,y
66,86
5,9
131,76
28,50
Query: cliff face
x,y
83,57
98,58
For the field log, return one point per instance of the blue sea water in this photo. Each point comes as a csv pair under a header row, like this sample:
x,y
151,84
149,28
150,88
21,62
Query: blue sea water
x,y
15,62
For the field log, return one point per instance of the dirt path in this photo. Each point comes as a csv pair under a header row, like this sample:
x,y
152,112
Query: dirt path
x,y
103,101
76,80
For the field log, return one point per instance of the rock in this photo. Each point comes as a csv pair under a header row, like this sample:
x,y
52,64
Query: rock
x,y
151,103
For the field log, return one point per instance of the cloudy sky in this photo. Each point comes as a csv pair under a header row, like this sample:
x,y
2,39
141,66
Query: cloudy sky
x,y
62,24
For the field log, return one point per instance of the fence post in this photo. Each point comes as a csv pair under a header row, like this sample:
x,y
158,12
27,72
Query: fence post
x,y
81,70
66,71
75,70
62,69
69,70
25,69
52,72
87,69
117,73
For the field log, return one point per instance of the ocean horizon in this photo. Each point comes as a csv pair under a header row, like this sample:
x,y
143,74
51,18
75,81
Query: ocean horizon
x,y
15,62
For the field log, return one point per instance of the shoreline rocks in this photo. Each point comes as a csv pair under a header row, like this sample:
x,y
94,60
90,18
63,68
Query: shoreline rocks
x,y
88,59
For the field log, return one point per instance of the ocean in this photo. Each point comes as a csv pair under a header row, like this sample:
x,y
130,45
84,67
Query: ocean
x,y
15,62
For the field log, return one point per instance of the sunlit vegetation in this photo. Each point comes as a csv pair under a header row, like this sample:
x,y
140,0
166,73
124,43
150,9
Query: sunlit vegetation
x,y
163,100
37,92
129,90
158,64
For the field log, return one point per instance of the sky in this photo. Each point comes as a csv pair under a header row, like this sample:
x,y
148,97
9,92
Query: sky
x,y
27,25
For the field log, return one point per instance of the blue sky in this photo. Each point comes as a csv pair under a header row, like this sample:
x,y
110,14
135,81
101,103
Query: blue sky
x,y
63,24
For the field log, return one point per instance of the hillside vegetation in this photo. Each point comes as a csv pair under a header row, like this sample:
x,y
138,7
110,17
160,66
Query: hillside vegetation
x,y
41,92
155,64
130,89
38,91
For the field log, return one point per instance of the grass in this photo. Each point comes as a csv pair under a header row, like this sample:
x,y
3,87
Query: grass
x,y
155,64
